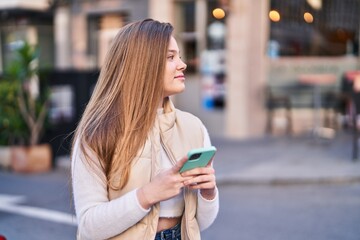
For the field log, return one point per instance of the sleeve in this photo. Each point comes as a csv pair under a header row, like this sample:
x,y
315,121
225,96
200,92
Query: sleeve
x,y
207,210
97,216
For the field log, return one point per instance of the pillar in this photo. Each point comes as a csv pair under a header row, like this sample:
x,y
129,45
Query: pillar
x,y
79,41
162,10
62,38
247,29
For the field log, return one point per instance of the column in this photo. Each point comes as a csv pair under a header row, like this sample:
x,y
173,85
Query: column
x,y
62,38
162,10
201,25
247,27
79,41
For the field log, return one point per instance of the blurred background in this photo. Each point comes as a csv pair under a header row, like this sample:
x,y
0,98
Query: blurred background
x,y
241,55
270,79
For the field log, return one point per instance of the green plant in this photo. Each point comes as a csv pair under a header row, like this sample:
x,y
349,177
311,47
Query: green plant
x,y
31,103
13,129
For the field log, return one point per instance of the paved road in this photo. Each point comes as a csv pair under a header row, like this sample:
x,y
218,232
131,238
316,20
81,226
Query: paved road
x,y
38,207
286,160
39,215
280,212
295,212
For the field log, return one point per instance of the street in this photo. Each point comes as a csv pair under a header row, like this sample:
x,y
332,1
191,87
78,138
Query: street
x,y
293,212
39,215
278,212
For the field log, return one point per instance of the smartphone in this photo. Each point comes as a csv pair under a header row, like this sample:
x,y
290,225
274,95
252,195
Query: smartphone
x,y
198,157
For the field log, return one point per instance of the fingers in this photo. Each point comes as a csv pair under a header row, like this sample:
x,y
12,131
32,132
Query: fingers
x,y
203,186
210,162
176,168
201,179
199,171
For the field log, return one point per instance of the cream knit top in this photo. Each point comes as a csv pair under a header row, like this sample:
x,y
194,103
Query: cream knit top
x,y
90,192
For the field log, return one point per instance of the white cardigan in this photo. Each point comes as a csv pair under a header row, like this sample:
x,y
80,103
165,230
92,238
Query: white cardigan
x,y
114,217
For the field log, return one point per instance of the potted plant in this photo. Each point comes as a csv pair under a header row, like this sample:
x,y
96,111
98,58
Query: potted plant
x,y
12,127
30,108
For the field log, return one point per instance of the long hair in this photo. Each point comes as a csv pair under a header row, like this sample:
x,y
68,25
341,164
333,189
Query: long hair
x,y
123,106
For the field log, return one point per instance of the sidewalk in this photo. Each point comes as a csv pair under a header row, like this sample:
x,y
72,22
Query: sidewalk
x,y
282,160
286,160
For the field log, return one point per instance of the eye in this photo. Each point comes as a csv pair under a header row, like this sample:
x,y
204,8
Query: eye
x,y
171,57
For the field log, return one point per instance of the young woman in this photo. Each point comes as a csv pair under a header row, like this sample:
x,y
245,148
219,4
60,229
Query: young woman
x,y
131,143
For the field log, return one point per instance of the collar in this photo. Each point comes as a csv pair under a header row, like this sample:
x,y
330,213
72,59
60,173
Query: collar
x,y
166,116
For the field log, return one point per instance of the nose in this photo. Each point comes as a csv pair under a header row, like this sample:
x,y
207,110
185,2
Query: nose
x,y
182,66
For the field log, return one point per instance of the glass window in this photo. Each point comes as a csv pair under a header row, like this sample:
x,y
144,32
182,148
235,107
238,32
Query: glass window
x,y
26,26
101,31
61,104
314,28
216,26
12,38
185,32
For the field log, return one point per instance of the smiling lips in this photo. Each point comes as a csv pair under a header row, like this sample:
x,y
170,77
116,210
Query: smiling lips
x,y
180,77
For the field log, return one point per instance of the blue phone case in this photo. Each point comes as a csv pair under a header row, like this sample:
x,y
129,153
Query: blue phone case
x,y
199,157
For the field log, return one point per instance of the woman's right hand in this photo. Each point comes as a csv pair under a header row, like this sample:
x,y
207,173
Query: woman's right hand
x,y
165,185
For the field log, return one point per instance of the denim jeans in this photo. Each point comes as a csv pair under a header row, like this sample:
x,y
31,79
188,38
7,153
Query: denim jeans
x,y
173,233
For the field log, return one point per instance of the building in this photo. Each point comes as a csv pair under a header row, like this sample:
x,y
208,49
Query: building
x,y
232,57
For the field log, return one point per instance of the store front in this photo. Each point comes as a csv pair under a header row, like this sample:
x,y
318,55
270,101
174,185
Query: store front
x,y
234,49
265,43
312,38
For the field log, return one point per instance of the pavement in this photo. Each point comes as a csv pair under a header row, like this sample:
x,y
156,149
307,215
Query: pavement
x,y
283,160
286,160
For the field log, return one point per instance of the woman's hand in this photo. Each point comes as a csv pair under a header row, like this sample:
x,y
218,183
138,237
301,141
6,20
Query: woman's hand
x,y
165,185
203,179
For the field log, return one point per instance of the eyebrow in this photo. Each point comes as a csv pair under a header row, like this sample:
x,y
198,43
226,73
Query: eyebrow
x,y
173,51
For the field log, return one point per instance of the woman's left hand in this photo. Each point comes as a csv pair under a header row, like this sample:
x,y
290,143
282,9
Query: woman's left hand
x,y
202,178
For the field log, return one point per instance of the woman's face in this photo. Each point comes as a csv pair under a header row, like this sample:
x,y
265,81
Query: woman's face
x,y
174,79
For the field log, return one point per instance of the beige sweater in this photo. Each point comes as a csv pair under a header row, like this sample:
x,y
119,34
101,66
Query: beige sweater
x,y
102,214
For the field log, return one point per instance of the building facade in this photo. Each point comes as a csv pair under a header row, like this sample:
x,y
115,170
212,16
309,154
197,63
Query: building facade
x,y
234,48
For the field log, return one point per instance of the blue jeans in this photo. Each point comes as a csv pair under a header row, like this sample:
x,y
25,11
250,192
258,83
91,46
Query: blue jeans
x,y
173,233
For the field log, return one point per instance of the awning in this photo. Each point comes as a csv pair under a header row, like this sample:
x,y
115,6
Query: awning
x,y
40,5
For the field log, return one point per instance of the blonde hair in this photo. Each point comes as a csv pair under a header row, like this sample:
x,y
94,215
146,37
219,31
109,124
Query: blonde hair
x,y
123,106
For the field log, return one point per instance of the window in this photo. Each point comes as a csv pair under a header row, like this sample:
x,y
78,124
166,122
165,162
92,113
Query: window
x,y
61,104
201,38
185,31
102,28
314,28
20,26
